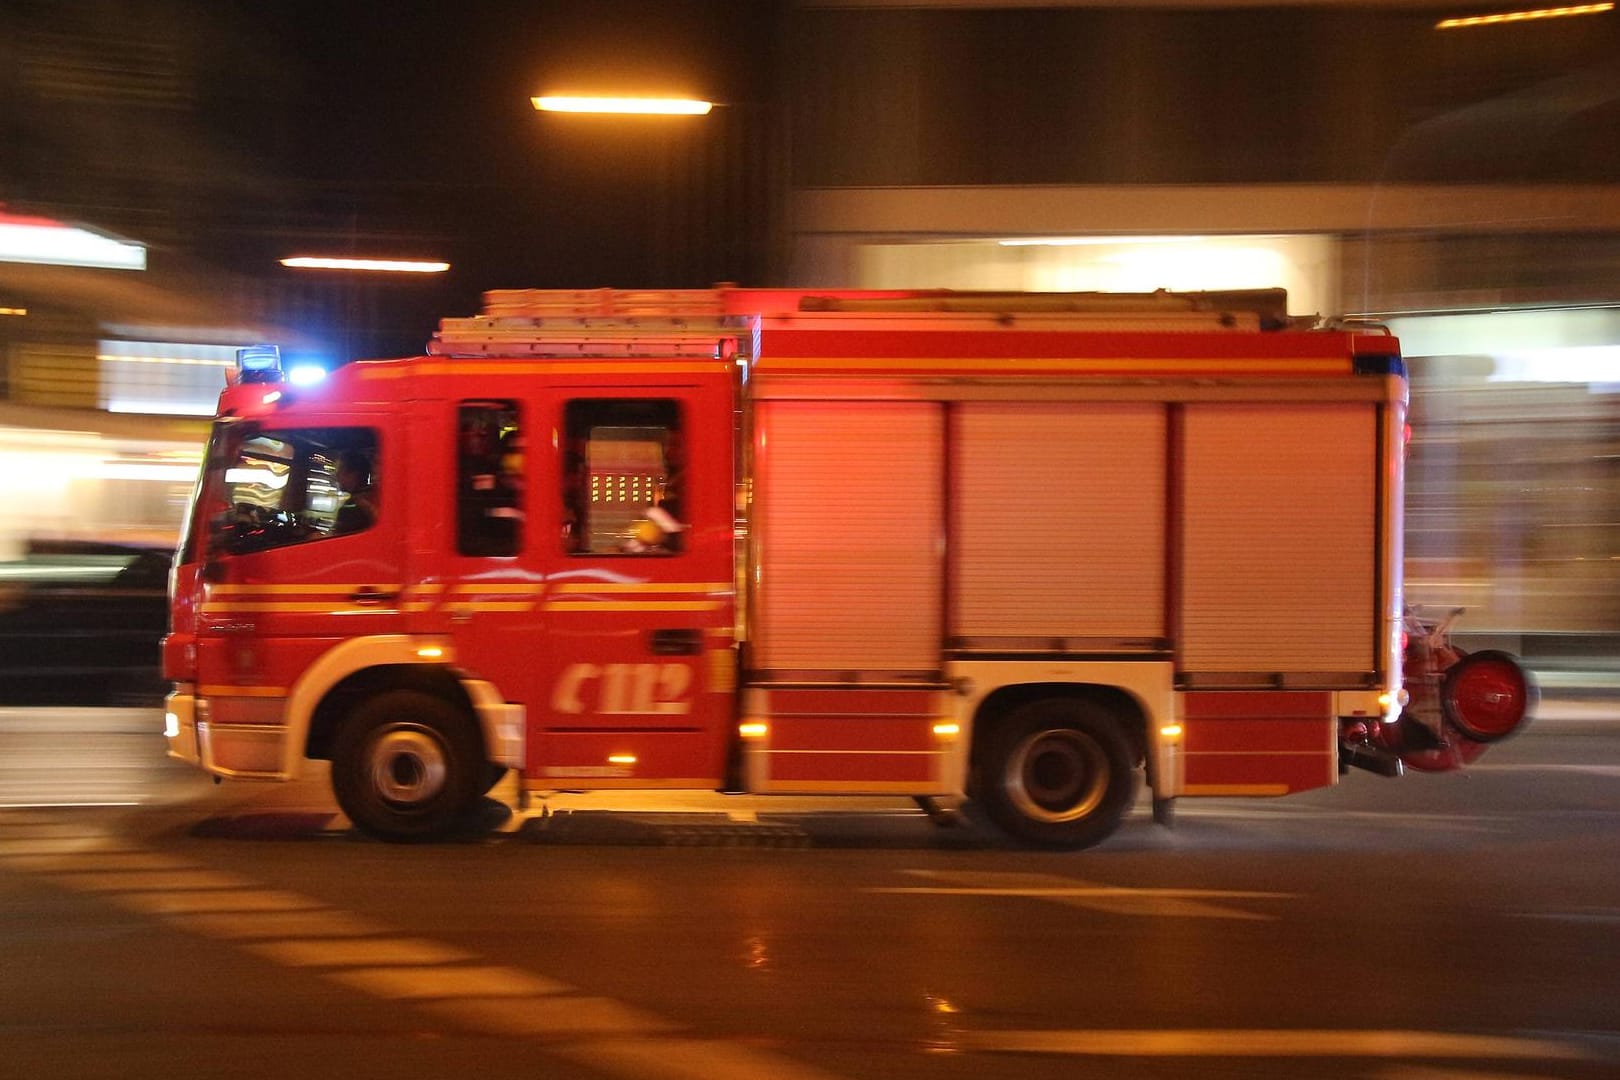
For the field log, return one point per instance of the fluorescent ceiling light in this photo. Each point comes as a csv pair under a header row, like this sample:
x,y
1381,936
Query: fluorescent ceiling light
x,y
52,244
624,105
388,266
1595,365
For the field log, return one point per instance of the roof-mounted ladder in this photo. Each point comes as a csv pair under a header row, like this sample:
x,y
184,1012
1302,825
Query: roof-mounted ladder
x,y
562,323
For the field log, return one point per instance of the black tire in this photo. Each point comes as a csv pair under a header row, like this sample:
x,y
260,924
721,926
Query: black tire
x,y
1058,773
407,766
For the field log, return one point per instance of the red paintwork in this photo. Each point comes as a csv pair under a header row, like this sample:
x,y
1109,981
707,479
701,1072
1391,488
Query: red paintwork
x,y
1259,738
558,648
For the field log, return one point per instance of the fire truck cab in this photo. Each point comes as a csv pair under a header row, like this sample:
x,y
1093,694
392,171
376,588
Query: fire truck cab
x,y
1015,547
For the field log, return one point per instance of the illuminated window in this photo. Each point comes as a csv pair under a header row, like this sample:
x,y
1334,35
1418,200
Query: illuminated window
x,y
622,465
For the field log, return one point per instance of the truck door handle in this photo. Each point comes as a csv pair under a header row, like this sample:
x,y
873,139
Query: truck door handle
x,y
369,595
676,642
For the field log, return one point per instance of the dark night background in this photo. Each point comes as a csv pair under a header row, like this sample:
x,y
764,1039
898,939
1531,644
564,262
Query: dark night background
x,y
227,134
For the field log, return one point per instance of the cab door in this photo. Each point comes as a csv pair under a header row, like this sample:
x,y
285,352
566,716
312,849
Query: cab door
x,y
639,599
286,575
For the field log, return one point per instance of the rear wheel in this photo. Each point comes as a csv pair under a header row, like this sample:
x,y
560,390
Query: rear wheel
x,y
406,766
1058,773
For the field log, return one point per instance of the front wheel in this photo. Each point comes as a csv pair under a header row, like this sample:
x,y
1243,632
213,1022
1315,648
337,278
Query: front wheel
x,y
406,766
1058,773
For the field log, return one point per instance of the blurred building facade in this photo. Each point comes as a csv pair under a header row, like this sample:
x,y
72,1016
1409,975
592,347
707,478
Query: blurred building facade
x,y
1462,185
1370,161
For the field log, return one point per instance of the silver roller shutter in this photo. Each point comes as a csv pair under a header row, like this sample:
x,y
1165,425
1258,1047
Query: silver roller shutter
x,y
848,518
1058,521
1279,539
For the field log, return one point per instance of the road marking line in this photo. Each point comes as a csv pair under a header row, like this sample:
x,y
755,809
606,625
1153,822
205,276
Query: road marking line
x,y
66,805
402,983
185,903
1275,1043
100,860
152,881
1597,915
604,1034
283,925
60,831
563,1017
687,1059
1114,899
362,952
1595,770
1156,902
14,852
1080,891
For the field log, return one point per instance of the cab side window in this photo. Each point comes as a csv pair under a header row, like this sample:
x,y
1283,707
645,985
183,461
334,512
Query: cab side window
x,y
623,465
491,492
283,487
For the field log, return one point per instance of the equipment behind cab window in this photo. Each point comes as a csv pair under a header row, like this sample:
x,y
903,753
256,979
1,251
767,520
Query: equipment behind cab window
x,y
622,465
490,475
294,486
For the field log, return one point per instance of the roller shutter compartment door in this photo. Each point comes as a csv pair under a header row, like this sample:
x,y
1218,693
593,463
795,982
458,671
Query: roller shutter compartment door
x,y
848,517
1279,541
1058,521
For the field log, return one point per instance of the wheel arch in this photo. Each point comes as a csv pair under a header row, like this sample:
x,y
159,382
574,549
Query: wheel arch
x,y
995,707
340,700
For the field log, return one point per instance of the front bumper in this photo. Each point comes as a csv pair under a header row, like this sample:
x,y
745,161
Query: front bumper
x,y
234,751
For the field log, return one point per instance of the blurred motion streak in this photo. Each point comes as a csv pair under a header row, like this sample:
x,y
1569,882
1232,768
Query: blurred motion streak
x,y
635,106
1523,16
388,266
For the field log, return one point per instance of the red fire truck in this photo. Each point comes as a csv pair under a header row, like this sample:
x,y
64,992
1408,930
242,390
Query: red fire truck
x,y
1009,547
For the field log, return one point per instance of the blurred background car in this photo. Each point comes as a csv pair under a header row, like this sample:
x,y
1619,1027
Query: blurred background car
x,y
82,623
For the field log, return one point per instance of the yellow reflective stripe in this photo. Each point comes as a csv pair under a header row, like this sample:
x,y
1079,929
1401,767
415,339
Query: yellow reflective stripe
x,y
309,589
293,606
466,597
645,586
1235,789
242,691
634,605
503,587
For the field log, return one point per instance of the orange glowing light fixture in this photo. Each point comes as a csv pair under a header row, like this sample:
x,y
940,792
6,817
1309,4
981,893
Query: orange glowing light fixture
x,y
626,106
387,266
1523,16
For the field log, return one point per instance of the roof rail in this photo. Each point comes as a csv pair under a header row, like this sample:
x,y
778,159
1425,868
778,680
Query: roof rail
x,y
1270,306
